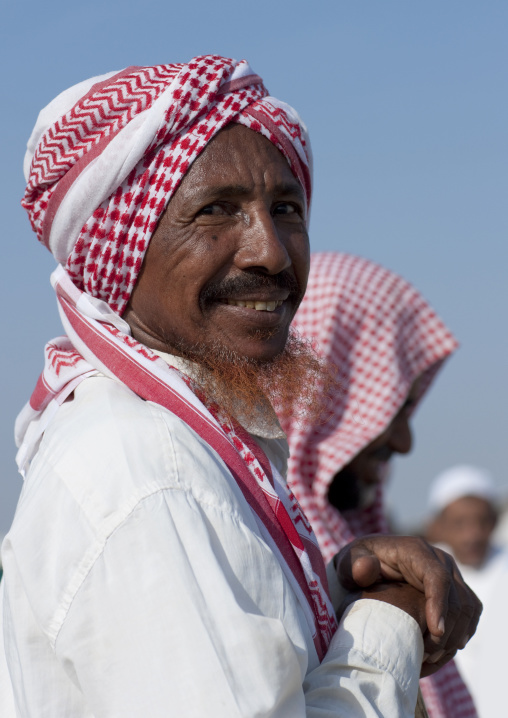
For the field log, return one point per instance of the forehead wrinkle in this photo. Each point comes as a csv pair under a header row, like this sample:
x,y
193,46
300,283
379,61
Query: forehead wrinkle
x,y
211,192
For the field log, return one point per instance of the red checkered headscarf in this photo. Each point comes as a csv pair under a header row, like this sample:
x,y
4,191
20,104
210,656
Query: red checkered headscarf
x,y
103,161
381,335
106,156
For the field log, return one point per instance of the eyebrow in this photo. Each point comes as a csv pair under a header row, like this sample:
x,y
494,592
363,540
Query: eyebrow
x,y
210,193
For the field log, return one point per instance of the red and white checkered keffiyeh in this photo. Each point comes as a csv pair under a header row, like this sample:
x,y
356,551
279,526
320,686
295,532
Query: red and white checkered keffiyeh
x,y
382,335
103,161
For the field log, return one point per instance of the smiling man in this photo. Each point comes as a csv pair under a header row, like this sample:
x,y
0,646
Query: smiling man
x,y
226,269
158,564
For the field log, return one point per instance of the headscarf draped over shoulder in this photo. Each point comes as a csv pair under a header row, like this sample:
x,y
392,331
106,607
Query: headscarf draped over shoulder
x,y
381,335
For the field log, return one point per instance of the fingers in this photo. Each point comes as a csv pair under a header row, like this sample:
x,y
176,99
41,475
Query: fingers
x,y
366,571
357,566
470,606
440,597
428,668
461,620
452,610
414,561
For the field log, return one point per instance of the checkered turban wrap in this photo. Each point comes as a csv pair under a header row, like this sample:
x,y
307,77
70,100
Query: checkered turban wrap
x,y
381,335
102,163
106,156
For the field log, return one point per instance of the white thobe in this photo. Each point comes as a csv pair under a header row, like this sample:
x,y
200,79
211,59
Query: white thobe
x,y
137,584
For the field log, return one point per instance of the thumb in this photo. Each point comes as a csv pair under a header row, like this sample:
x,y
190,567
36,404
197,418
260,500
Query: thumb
x,y
366,570
357,568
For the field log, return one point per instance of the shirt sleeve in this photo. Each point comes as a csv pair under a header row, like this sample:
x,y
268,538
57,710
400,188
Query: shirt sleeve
x,y
372,665
161,626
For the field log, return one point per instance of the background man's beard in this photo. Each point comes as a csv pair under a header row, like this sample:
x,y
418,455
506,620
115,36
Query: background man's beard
x,y
347,492
240,386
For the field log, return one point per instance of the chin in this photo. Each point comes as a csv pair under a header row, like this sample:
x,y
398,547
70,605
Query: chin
x,y
262,349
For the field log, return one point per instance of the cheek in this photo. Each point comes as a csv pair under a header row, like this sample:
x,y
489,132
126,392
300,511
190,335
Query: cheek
x,y
302,251
299,250
166,272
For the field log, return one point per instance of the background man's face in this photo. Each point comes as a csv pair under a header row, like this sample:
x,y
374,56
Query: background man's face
x,y
354,486
466,525
229,260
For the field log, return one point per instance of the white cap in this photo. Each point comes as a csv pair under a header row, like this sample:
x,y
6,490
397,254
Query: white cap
x,y
458,482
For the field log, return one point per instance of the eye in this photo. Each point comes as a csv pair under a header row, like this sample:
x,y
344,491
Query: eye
x,y
211,210
287,208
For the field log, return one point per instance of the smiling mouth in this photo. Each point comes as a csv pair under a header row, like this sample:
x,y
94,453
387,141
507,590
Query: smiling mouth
x,y
258,306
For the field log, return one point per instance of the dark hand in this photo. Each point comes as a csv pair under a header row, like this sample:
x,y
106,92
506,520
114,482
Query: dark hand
x,y
451,610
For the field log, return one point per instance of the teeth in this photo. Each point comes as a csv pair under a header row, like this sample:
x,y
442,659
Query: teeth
x,y
259,306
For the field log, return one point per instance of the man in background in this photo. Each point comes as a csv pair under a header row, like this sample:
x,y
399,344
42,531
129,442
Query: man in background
x,y
462,518
386,346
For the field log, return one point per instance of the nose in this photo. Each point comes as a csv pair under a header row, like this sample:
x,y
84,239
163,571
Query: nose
x,y
400,437
262,245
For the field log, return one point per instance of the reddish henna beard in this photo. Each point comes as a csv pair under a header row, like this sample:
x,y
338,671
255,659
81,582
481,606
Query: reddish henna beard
x,y
241,386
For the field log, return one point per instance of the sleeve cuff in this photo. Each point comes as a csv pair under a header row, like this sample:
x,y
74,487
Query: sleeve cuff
x,y
387,637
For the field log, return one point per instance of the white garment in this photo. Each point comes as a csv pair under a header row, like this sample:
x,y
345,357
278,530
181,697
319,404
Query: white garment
x,y
483,662
137,584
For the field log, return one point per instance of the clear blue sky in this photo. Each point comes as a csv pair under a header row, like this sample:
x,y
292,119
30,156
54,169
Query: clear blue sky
x,y
407,108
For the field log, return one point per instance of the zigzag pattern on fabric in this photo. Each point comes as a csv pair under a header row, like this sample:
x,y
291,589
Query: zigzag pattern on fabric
x,y
60,359
96,115
272,123
109,251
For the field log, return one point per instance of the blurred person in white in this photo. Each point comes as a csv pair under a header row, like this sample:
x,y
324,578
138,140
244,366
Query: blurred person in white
x,y
463,511
500,535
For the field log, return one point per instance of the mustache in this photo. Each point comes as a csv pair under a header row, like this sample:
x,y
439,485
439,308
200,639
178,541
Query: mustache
x,y
384,453
249,282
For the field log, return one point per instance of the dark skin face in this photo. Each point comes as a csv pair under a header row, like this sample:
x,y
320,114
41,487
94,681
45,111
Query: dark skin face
x,y
234,232
368,467
466,526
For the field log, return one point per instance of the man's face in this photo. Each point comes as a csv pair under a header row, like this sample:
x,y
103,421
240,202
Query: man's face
x,y
466,525
354,486
228,263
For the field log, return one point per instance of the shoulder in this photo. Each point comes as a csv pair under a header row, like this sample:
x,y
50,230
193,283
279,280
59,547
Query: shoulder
x,y
109,460
107,446
106,451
